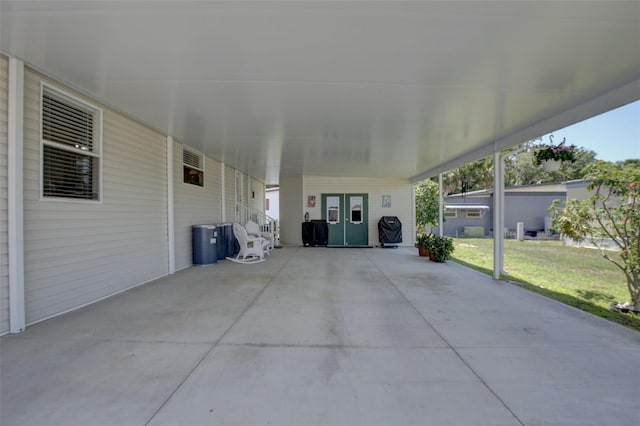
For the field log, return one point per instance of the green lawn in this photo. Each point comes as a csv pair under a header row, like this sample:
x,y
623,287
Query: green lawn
x,y
576,276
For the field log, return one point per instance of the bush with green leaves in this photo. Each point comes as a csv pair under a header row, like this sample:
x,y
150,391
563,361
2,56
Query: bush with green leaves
x,y
427,202
441,248
610,213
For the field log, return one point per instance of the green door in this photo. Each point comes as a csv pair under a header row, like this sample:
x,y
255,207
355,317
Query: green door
x,y
356,226
333,213
347,217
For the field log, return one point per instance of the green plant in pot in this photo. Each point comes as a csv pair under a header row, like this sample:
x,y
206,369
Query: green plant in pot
x,y
423,242
440,248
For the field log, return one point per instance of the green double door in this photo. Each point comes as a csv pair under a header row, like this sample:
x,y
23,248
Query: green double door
x,y
347,217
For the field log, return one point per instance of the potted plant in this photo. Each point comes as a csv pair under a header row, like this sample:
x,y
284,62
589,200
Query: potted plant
x,y
422,242
440,249
550,156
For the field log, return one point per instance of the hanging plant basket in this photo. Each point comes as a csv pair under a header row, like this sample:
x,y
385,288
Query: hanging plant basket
x,y
550,165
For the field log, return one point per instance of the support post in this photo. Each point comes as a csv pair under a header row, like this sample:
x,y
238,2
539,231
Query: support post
x,y
498,214
171,223
440,206
224,195
15,213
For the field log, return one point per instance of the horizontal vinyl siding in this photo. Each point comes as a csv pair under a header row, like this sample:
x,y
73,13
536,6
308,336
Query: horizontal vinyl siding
x,y
257,202
194,205
230,194
4,249
401,199
79,252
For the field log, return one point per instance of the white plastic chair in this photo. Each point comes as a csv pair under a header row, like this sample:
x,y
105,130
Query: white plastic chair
x,y
254,231
251,248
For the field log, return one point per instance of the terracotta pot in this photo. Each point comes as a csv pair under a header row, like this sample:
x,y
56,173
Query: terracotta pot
x,y
432,257
422,251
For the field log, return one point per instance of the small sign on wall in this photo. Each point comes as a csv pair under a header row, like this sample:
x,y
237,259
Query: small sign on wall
x,y
386,201
311,201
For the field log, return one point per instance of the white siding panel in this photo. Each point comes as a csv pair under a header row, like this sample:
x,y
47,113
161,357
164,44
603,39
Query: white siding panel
x,y
79,252
194,205
4,259
230,193
257,202
401,198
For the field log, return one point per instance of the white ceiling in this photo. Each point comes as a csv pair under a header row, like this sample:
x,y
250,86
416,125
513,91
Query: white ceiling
x,y
359,88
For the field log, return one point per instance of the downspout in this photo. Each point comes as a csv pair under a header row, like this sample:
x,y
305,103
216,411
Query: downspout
x,y
15,196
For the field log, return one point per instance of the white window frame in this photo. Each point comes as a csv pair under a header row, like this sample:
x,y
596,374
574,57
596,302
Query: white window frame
x,y
95,153
450,213
474,213
201,169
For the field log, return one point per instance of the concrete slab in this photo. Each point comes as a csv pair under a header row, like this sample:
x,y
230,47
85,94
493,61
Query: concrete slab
x,y
85,382
323,336
250,385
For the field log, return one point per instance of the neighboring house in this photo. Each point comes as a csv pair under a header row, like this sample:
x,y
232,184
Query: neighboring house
x,y
471,214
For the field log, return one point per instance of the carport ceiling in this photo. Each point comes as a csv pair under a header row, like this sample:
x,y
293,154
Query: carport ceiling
x,y
387,89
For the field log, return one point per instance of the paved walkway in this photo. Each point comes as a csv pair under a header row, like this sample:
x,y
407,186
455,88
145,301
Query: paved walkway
x,y
323,336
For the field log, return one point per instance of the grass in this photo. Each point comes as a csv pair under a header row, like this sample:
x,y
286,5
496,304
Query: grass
x,y
579,277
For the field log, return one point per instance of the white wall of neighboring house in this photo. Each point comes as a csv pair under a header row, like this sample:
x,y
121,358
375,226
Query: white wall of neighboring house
x,y
401,192
272,203
77,252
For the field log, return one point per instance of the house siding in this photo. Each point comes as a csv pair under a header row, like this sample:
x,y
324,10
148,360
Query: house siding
x,y
257,200
194,205
4,244
80,252
401,199
454,227
531,209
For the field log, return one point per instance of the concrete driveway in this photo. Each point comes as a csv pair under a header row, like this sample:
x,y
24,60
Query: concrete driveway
x,y
320,336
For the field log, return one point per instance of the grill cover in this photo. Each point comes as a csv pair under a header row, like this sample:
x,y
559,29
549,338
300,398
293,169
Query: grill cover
x,y
389,230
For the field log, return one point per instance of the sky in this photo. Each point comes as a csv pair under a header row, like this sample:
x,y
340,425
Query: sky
x,y
614,135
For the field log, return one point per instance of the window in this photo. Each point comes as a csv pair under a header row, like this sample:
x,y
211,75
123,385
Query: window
x,y
333,210
193,166
473,213
71,146
450,213
356,209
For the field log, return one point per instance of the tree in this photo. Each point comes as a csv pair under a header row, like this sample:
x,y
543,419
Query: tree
x,y
612,212
427,202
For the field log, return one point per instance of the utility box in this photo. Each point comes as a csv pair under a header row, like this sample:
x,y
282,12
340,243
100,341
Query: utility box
x,y
204,239
520,231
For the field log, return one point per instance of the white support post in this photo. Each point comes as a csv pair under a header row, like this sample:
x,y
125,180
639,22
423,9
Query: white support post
x,y
413,215
171,224
440,206
498,215
15,214
224,196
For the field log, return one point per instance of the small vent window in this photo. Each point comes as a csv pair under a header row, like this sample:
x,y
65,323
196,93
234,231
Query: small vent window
x,y
450,213
193,166
474,213
70,147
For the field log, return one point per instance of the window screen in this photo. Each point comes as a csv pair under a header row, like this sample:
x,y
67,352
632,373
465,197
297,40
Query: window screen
x,y
192,166
70,147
